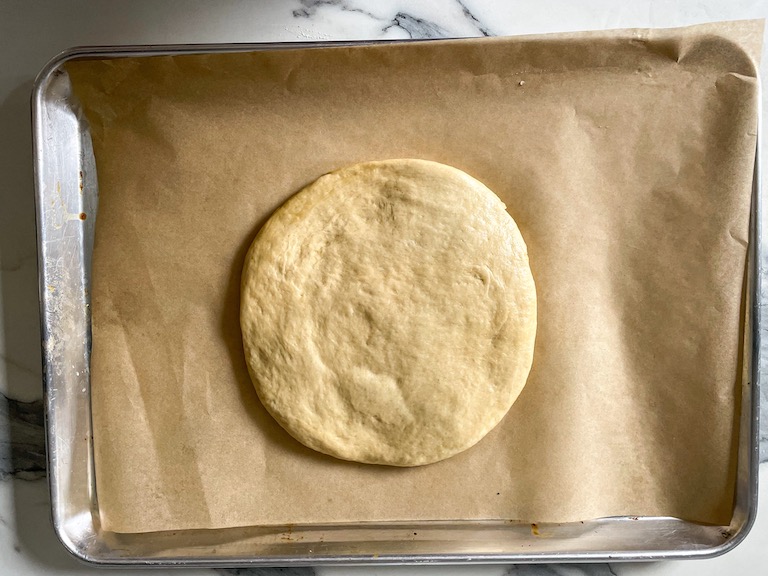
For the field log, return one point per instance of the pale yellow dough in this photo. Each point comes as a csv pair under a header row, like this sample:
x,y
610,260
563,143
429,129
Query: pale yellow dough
x,y
389,313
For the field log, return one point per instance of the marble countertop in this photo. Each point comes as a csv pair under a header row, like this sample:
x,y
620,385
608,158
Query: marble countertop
x,y
31,33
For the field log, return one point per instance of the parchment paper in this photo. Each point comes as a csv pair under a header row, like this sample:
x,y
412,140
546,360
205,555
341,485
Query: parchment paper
x,y
626,159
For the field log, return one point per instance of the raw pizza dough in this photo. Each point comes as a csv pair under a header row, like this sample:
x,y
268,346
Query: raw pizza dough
x,y
389,313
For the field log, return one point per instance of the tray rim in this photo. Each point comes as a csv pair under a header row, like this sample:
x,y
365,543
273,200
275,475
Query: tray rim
x,y
753,316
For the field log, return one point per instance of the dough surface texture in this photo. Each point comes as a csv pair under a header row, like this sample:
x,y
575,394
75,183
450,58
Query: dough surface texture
x,y
388,313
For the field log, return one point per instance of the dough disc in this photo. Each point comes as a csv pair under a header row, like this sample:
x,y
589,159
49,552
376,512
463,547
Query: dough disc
x,y
389,313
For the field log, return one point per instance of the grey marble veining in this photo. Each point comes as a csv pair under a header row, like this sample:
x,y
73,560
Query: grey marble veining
x,y
22,439
415,23
309,8
482,28
417,28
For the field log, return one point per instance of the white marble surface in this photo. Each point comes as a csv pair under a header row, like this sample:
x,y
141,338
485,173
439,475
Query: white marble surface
x,y
31,33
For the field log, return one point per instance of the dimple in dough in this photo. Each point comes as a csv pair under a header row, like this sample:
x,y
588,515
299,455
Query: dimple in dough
x,y
389,313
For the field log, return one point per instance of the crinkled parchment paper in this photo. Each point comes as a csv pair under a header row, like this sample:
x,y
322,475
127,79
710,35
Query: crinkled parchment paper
x,y
626,159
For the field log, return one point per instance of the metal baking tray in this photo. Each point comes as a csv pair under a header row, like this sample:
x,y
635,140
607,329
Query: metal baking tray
x,y
67,198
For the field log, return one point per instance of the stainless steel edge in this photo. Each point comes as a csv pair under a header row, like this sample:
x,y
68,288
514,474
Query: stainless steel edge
x,y
52,432
38,90
81,535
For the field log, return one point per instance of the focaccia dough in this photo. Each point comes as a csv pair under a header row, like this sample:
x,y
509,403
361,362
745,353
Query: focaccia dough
x,y
389,313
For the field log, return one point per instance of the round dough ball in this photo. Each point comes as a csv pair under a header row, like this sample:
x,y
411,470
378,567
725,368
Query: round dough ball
x,y
389,313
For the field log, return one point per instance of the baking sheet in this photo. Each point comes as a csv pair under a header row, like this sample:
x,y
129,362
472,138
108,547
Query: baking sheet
x,y
626,160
